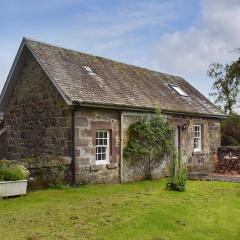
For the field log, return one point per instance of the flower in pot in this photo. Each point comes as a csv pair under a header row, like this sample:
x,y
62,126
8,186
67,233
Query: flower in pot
x,y
13,178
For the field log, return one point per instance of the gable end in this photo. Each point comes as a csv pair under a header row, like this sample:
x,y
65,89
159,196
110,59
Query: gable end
x,y
19,61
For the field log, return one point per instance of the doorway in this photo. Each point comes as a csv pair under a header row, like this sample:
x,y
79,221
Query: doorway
x,y
177,142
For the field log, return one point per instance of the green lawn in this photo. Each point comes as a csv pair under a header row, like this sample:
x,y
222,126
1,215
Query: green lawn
x,y
137,211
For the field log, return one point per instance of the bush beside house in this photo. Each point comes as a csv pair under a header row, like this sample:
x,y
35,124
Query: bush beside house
x,y
11,171
13,179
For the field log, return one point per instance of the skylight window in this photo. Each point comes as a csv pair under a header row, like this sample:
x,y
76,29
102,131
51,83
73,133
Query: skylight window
x,y
89,70
91,73
178,90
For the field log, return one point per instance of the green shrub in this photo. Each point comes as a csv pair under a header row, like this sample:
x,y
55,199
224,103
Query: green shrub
x,y
178,174
11,171
230,130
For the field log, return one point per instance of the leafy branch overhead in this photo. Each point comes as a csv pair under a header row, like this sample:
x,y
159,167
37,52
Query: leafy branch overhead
x,y
226,84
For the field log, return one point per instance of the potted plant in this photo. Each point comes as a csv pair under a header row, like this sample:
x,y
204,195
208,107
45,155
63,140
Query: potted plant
x,y
13,179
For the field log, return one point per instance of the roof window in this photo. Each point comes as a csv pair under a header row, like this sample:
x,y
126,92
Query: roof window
x,y
88,68
178,90
91,73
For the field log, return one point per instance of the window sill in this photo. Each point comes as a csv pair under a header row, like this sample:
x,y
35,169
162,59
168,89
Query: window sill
x,y
96,167
112,165
198,153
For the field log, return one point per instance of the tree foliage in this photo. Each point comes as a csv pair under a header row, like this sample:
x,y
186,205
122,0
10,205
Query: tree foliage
x,y
226,84
230,130
150,140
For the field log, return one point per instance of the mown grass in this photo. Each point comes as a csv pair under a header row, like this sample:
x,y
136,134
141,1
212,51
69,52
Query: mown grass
x,y
137,211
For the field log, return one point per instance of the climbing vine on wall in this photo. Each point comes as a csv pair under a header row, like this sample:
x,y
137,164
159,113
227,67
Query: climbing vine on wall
x,y
150,140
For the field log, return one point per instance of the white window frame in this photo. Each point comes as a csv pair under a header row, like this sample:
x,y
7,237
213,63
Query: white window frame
x,y
198,137
100,146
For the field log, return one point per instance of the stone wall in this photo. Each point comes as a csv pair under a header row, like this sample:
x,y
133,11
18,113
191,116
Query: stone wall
x,y
87,121
131,170
38,123
196,161
3,144
201,161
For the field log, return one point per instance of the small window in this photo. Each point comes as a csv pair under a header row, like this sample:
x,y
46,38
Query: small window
x,y
102,146
179,90
88,69
197,138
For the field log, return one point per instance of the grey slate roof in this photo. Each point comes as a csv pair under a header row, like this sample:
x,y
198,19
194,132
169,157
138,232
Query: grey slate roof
x,y
116,84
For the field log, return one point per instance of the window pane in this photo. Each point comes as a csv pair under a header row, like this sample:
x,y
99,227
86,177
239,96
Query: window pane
x,y
196,143
104,149
197,137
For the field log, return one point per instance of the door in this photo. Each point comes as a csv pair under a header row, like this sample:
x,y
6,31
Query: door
x,y
177,138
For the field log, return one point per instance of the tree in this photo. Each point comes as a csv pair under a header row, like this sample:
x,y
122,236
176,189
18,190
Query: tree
x,y
226,84
150,140
230,130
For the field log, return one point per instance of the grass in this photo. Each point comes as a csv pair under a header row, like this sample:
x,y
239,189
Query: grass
x,y
137,211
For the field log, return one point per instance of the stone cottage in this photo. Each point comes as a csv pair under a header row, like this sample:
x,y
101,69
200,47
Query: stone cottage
x,y
66,115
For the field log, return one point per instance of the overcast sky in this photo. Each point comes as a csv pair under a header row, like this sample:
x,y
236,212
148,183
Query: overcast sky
x,y
180,37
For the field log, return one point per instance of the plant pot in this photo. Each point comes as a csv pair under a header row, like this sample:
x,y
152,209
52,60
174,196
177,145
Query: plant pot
x,y
13,188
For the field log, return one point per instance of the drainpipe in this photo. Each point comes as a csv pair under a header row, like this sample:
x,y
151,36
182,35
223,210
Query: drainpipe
x,y
121,147
75,107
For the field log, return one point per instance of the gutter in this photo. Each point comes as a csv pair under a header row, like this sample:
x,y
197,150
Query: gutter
x,y
147,109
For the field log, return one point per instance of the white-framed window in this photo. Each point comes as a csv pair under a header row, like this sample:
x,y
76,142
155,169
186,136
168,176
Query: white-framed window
x,y
179,90
197,138
102,146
